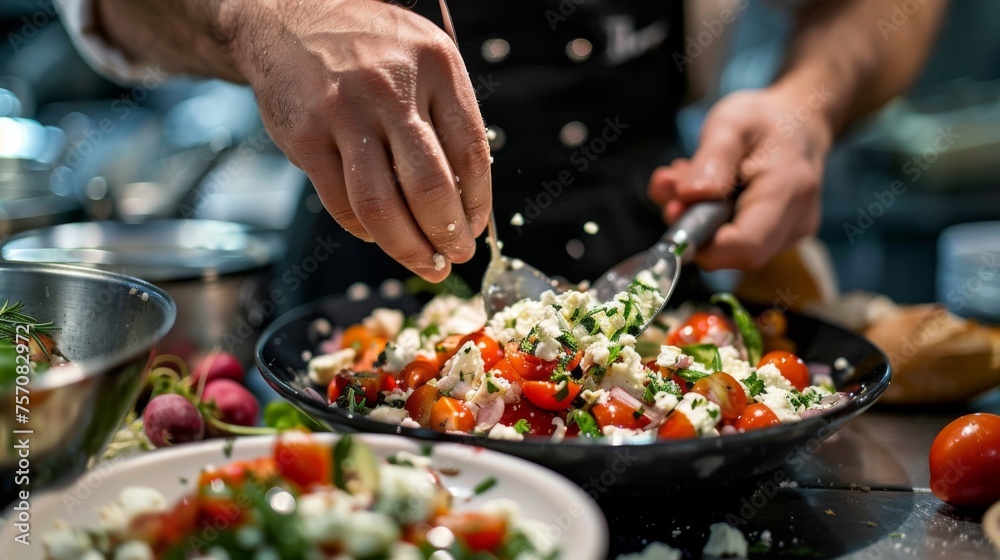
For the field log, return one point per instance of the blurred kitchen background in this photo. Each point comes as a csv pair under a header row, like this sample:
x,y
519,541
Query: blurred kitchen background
x,y
75,147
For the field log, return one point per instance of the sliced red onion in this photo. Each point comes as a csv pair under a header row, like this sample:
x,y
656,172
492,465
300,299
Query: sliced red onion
x,y
334,343
490,414
622,395
728,430
684,362
836,400
460,389
314,395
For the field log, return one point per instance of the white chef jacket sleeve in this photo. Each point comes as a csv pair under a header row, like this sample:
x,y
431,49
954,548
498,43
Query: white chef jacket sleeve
x,y
78,19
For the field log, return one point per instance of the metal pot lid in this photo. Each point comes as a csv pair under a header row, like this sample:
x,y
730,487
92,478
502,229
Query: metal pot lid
x,y
157,251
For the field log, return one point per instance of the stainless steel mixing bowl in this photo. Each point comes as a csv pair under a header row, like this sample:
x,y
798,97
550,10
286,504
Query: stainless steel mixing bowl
x,y
109,326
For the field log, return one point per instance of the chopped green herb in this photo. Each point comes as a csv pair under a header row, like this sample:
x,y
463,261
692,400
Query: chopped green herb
x,y
637,413
426,450
569,341
755,385
690,374
759,547
282,415
486,484
491,387
707,354
612,312
656,383
522,426
895,535
752,339
586,422
183,480
562,391
227,447
430,331
713,412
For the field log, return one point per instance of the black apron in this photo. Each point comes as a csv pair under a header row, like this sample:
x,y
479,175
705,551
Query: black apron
x,y
581,97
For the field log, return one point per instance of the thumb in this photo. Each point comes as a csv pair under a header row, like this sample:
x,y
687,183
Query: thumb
x,y
712,173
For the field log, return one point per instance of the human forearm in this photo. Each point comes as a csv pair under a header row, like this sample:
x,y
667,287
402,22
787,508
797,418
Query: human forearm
x,y
194,37
860,52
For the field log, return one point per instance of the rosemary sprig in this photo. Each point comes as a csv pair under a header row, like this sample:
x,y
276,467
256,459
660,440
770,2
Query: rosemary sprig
x,y
11,317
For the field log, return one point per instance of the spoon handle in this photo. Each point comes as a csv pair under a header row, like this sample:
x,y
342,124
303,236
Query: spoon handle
x,y
697,226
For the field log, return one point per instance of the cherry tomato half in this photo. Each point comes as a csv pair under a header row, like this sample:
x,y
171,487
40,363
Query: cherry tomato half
x,y
489,348
676,426
791,367
755,417
723,390
507,371
418,373
965,461
370,383
302,460
447,348
539,420
616,413
533,368
451,415
699,325
420,403
543,394
481,532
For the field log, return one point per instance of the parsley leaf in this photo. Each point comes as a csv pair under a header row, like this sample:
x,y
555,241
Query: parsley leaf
x,y
744,322
755,385
486,484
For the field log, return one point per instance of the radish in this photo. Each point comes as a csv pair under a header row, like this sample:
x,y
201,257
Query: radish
x,y
170,419
217,365
235,404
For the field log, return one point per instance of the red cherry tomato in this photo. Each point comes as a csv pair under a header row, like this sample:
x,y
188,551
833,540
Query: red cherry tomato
x,y
617,413
420,403
417,373
489,348
481,532
676,426
451,415
543,394
447,348
302,460
539,420
755,417
965,461
699,325
791,367
533,368
370,383
507,371
723,390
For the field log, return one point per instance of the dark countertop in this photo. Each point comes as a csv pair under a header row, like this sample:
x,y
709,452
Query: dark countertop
x,y
864,494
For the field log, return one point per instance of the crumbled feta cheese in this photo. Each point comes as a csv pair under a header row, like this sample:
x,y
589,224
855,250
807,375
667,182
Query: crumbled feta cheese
x,y
368,534
384,322
560,432
134,550
406,493
515,321
323,368
439,261
403,350
138,500
627,372
653,551
665,401
591,227
389,414
517,219
548,330
592,396
466,365
65,543
701,412
732,363
616,431
771,376
492,388
669,356
725,540
501,431
776,399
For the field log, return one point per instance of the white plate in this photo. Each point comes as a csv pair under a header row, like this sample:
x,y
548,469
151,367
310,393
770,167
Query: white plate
x,y
571,516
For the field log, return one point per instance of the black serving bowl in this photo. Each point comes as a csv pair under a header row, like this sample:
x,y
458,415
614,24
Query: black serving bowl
x,y
598,464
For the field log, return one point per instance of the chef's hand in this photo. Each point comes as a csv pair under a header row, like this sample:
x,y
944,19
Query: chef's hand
x,y
374,103
765,140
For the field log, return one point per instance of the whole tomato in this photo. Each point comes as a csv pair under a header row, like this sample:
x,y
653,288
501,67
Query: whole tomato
x,y
965,461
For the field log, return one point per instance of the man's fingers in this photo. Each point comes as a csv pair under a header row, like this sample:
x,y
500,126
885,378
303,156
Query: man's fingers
x,y
455,114
428,184
381,209
712,173
326,171
663,181
767,219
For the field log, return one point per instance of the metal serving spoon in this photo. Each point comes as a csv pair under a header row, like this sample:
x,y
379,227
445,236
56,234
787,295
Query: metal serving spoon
x,y
678,245
506,280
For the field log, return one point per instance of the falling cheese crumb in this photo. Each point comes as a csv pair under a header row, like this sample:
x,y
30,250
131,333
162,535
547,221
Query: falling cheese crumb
x,y
591,227
439,262
517,219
